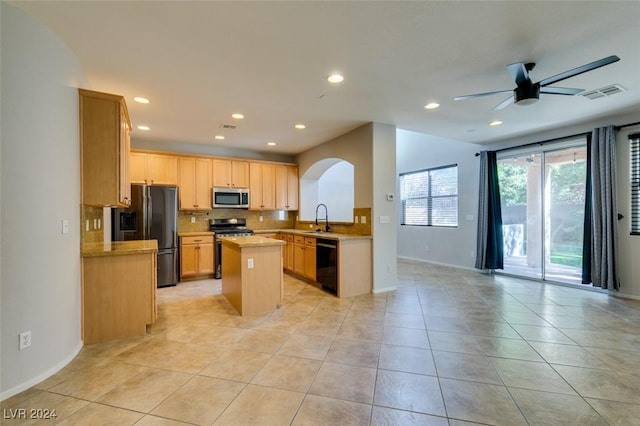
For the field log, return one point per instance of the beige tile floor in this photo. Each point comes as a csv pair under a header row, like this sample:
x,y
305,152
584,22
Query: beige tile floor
x,y
448,347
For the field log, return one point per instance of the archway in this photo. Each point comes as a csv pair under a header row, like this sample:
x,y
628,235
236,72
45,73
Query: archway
x,y
329,181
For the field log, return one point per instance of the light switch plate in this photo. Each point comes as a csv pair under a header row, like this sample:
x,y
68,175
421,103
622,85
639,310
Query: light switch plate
x,y
65,226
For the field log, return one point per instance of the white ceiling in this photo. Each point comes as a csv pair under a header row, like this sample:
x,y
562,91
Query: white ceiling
x,y
200,61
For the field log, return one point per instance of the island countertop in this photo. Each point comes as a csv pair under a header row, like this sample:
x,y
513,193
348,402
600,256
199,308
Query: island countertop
x,y
251,241
119,248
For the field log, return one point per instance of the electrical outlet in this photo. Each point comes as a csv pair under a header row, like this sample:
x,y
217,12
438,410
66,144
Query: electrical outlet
x,y
250,263
193,219
363,219
65,226
356,219
99,223
87,225
24,340
95,223
260,218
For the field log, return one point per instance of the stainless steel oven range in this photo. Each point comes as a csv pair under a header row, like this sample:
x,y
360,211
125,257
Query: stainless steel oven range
x,y
225,228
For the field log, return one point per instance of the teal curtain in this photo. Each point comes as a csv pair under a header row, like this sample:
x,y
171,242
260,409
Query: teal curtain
x,y
490,243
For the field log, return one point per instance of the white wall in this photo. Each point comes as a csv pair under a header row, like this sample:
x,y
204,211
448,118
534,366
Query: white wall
x,y
449,246
335,189
40,186
384,213
628,245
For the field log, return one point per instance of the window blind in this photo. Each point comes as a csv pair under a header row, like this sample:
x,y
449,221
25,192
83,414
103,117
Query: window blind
x,y
634,146
430,197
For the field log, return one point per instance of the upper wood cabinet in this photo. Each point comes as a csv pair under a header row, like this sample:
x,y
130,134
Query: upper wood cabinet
x,y
195,183
262,186
154,169
230,173
286,187
104,149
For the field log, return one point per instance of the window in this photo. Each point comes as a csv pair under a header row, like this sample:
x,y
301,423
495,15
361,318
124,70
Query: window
x,y
634,146
430,197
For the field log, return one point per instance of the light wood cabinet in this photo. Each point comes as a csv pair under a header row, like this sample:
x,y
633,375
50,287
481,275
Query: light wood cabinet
x,y
195,183
196,256
310,258
304,256
154,169
262,181
104,149
230,173
286,187
118,296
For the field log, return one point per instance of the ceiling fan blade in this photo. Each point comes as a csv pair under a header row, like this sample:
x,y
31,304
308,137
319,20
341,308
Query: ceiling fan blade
x,y
561,90
479,95
503,104
519,72
580,70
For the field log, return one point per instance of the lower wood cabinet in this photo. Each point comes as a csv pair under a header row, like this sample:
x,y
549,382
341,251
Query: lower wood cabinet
x,y
118,296
196,256
304,256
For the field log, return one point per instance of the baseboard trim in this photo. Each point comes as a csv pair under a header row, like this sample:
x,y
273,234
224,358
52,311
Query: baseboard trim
x,y
40,377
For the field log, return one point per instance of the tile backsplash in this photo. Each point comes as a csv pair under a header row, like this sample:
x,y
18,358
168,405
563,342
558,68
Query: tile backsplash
x,y
270,220
91,217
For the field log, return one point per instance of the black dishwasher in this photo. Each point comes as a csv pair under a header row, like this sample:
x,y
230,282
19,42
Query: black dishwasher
x,y
327,264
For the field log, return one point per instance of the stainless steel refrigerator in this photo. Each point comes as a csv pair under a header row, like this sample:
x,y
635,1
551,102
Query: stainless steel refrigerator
x,y
153,215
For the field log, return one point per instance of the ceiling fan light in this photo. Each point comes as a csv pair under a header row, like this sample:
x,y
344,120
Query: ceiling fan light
x,y
526,94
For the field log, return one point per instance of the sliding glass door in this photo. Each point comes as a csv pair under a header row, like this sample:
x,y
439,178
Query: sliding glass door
x,y
542,194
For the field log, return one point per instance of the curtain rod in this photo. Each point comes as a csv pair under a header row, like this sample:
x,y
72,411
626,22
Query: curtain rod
x,y
559,139
540,143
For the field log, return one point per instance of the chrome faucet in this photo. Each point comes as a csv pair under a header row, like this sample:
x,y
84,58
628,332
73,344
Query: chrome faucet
x,y
327,228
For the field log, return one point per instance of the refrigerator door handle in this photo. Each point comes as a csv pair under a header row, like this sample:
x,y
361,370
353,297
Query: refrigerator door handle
x,y
147,215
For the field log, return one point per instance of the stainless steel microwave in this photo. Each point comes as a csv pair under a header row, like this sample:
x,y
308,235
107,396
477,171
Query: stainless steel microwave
x,y
230,198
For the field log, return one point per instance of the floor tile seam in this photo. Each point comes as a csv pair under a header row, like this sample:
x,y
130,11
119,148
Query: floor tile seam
x,y
493,367
374,405
619,375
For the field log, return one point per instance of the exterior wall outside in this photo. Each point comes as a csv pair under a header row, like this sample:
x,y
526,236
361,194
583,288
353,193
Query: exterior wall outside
x,y
40,181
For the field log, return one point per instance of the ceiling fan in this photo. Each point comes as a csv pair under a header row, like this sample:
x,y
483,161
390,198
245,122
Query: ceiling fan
x,y
528,92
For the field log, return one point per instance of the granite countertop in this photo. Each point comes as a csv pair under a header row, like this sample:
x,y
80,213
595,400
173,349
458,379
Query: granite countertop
x,y
196,234
251,241
313,233
119,248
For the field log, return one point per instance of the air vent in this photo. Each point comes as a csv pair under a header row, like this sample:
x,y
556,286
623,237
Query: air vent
x,y
603,91
227,126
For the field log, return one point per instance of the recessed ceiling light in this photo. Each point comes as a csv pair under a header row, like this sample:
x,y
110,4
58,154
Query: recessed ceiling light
x,y
271,143
432,105
300,126
335,78
237,116
495,123
145,128
219,137
141,100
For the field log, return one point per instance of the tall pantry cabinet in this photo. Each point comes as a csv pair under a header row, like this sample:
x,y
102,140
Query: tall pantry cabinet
x,y
105,141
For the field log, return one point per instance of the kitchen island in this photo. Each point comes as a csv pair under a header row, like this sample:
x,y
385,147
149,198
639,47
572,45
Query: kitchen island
x,y
252,278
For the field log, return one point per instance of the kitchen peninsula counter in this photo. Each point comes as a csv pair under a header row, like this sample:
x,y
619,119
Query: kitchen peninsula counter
x,y
119,248
252,279
316,234
119,282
